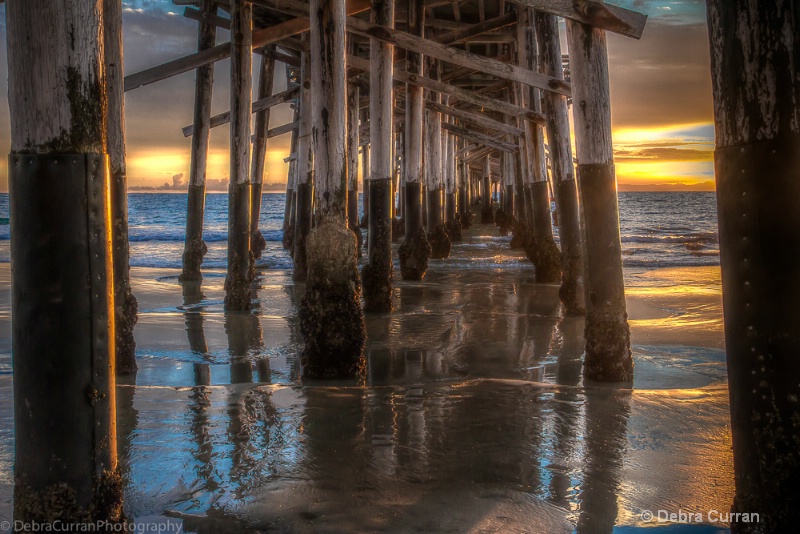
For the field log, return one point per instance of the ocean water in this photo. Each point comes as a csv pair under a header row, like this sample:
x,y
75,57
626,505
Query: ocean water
x,y
657,229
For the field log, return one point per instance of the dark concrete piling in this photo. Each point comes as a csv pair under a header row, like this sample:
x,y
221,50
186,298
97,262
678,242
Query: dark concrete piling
x,y
62,293
755,67
378,273
452,219
437,234
194,247
608,353
548,256
240,261
331,319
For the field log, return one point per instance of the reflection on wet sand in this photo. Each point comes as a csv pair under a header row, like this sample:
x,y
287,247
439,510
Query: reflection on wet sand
x,y
472,416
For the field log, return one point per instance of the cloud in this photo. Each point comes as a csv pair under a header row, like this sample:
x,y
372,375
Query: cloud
x,y
663,154
665,78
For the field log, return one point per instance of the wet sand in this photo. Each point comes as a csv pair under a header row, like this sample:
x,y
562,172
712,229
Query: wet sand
x,y
473,416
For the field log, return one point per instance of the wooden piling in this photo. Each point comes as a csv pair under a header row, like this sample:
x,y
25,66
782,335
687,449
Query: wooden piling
x,y
353,95
487,211
364,176
562,170
608,353
377,274
755,67
266,74
542,249
331,319
62,293
304,189
452,221
125,302
415,250
240,262
195,248
437,234
464,184
289,209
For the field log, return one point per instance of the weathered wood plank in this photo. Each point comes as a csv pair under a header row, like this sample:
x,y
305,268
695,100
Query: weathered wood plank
x,y
480,138
261,104
462,94
597,14
457,57
464,34
480,120
263,37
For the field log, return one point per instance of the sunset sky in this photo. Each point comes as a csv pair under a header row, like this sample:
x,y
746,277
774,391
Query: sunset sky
x,y
660,90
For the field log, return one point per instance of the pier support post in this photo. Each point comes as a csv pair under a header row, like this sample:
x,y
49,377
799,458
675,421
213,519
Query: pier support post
x,y
464,211
194,247
521,229
377,274
415,250
755,66
437,234
289,210
331,319
542,251
265,79
62,294
353,96
124,300
487,213
562,170
240,261
304,191
365,176
452,222
608,352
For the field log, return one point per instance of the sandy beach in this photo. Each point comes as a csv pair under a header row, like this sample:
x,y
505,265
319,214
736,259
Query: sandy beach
x,y
473,415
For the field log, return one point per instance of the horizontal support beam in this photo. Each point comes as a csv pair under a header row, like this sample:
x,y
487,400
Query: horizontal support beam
x,y
479,155
283,129
475,30
262,37
462,94
480,120
480,138
199,16
259,105
597,14
458,57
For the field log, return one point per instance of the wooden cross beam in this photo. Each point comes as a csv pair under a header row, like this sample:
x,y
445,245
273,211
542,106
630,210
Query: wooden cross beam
x,y
258,105
464,34
449,54
263,37
480,120
479,138
479,155
597,14
462,94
